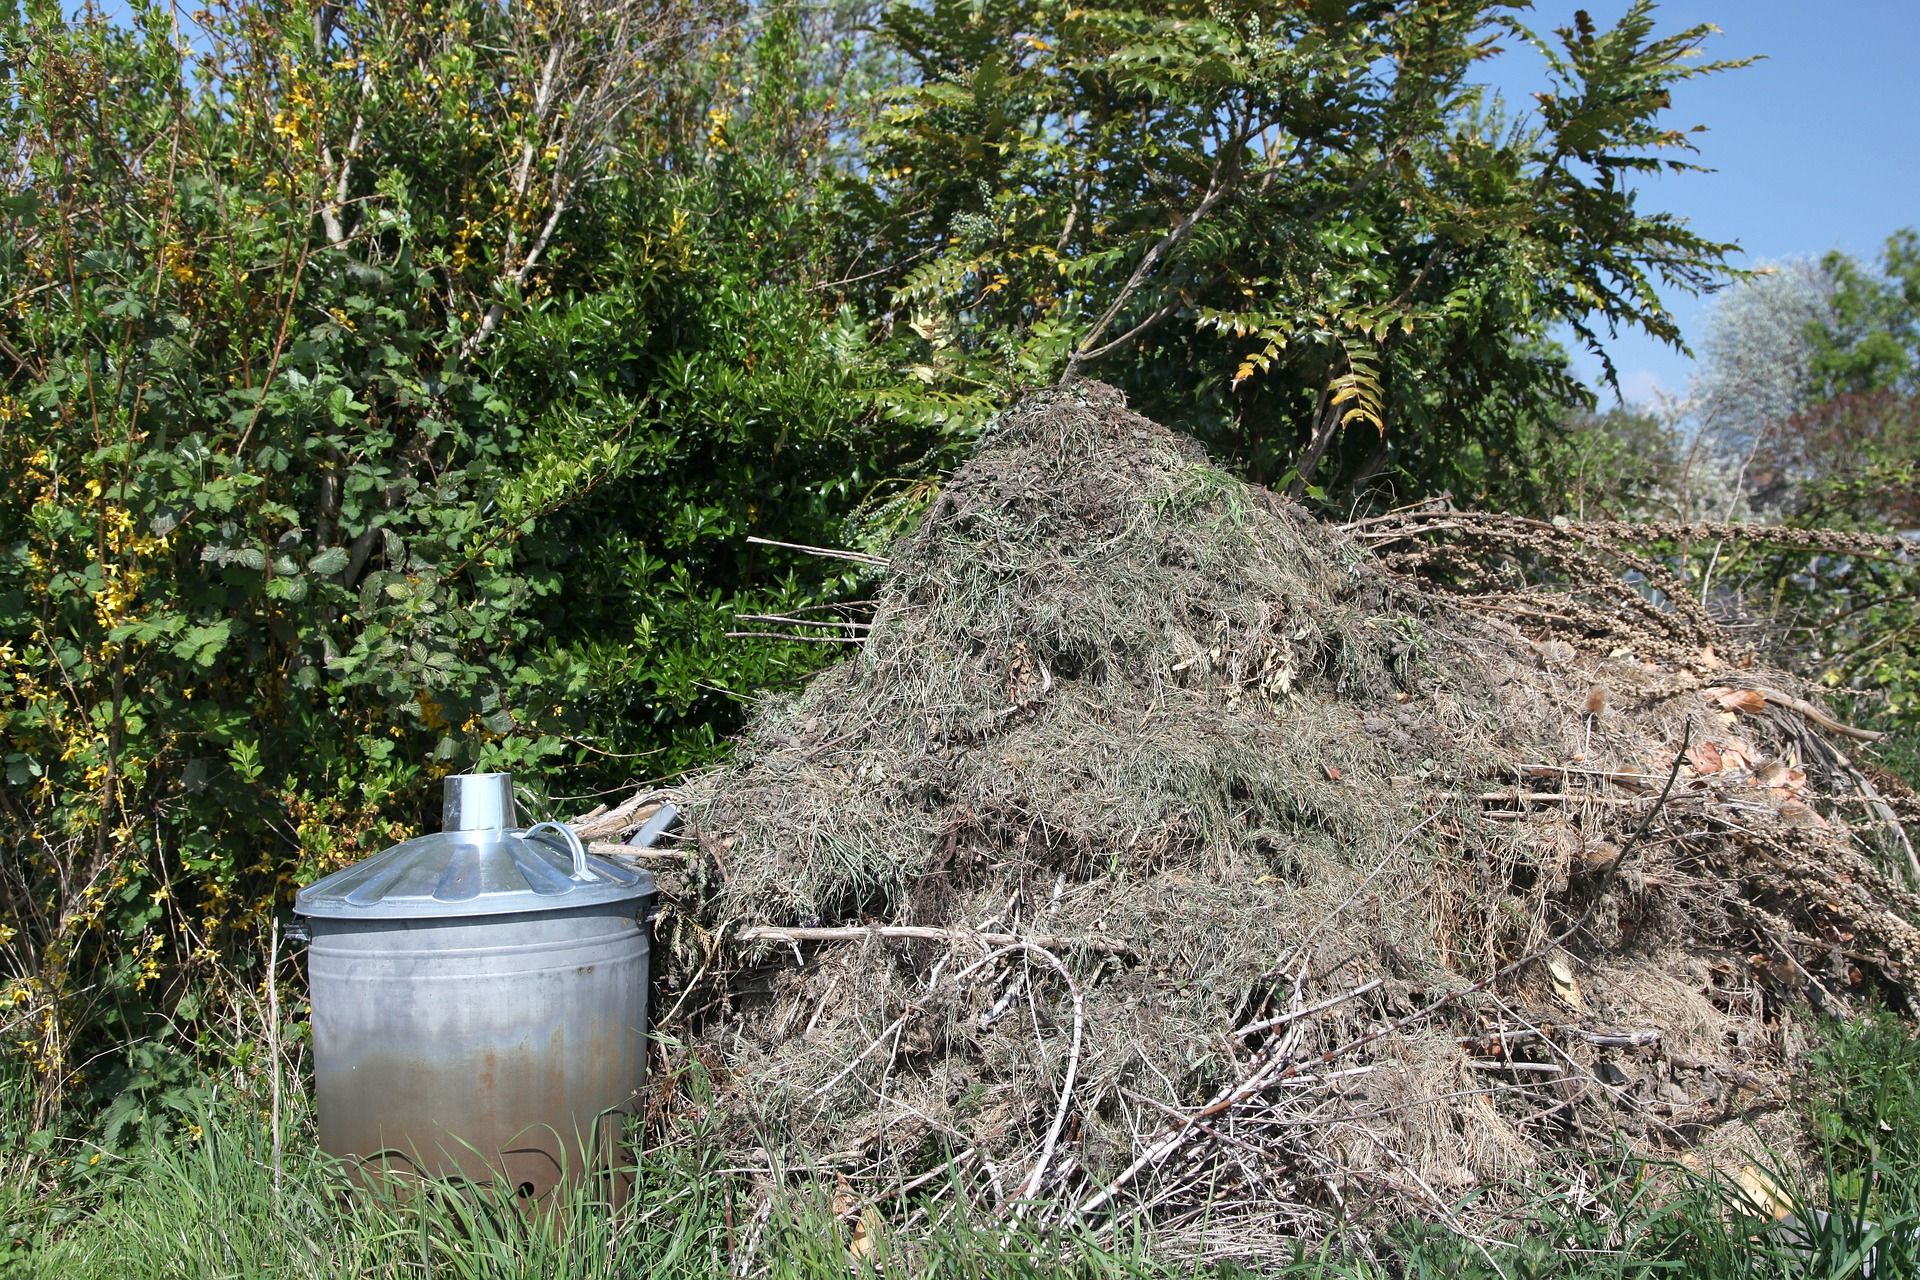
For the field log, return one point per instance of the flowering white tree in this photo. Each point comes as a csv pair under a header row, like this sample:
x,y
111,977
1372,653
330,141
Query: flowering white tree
x,y
1756,377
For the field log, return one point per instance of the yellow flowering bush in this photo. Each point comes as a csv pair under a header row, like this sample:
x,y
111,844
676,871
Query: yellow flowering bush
x,y
367,412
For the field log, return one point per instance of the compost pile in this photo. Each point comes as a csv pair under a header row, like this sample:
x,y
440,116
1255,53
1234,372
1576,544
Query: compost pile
x,y
1163,857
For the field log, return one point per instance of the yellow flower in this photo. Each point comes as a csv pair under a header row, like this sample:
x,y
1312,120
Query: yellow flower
x,y
174,258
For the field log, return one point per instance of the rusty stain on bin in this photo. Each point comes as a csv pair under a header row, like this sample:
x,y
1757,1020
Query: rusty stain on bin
x,y
479,1002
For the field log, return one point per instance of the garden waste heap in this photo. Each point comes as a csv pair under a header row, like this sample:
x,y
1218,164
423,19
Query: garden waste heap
x,y
1164,857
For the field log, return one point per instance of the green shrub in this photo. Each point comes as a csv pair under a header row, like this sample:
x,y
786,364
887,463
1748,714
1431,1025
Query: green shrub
x,y
389,390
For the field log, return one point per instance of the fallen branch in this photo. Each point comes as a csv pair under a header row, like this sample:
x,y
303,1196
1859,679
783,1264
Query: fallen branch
x,y
1423,519
1553,797
1509,1064
1605,775
1602,1039
626,816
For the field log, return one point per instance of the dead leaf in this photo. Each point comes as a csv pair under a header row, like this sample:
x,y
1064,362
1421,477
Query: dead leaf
x,y
1762,1192
843,1197
1748,702
1564,984
865,1228
1704,756
1333,773
1800,814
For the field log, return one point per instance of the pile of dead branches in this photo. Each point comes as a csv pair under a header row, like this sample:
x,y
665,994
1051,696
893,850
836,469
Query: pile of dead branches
x,y
1161,856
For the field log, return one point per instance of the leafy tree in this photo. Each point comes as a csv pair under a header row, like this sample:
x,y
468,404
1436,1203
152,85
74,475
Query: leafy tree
x,y
1870,340
1302,231
1624,464
1808,375
1853,457
1806,412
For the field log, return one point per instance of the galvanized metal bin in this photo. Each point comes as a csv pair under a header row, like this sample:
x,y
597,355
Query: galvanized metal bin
x,y
480,1001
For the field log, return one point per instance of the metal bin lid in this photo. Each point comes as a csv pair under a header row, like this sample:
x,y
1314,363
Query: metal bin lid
x,y
482,864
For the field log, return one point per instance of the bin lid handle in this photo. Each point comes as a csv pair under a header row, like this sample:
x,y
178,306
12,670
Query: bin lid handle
x,y
581,871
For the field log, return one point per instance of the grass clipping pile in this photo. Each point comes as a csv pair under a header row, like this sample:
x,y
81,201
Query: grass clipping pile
x,y
1164,856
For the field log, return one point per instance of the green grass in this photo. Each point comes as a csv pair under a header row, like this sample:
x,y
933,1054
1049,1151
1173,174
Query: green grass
x,y
189,1207
209,1208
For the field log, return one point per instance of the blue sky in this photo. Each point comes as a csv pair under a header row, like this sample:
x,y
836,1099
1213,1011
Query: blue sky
x,y
1816,148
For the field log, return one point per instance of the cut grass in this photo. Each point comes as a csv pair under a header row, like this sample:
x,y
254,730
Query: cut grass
x,y
208,1207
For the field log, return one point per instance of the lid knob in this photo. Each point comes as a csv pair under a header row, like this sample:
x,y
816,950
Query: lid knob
x,y
477,802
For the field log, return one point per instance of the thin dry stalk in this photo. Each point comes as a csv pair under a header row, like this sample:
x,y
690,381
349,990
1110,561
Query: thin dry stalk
x,y
788,936
273,1046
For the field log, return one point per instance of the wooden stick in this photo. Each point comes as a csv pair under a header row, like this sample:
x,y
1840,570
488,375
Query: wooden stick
x,y
1815,714
924,933
788,620
1508,1064
858,557
782,635
1604,1039
1556,797
1296,1014
615,849
1605,775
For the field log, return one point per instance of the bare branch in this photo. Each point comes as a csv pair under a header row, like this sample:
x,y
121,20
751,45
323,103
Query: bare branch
x,y
1217,191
